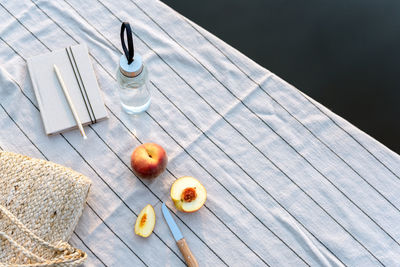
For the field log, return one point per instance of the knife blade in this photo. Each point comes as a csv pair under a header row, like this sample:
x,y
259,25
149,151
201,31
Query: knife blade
x,y
180,241
171,223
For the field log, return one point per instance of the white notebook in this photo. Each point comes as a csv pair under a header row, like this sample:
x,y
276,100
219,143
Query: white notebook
x,y
77,72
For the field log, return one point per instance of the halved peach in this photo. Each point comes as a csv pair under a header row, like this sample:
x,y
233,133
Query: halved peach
x,y
188,194
145,221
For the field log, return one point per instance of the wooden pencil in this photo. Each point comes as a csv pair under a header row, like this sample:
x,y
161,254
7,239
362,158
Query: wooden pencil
x,y
71,105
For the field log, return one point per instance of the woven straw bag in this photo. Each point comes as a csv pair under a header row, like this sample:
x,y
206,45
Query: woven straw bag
x,y
40,204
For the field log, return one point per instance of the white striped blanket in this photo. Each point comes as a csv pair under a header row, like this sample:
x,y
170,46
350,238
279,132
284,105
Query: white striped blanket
x,y
289,182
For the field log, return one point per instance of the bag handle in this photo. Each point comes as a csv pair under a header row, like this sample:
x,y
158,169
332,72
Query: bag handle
x,y
130,51
67,254
21,249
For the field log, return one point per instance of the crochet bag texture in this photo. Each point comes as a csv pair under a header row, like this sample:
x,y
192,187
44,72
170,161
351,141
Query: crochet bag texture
x,y
40,205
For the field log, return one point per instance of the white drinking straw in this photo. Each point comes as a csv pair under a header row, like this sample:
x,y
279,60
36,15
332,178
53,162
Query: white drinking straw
x,y
71,105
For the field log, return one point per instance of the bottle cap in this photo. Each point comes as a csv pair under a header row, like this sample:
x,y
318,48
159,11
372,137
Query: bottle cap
x,y
130,64
133,69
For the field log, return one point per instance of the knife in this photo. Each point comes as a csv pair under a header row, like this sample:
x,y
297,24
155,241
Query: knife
x,y
180,241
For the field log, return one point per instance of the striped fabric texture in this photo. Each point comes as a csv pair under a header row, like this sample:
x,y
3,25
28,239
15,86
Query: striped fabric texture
x,y
289,182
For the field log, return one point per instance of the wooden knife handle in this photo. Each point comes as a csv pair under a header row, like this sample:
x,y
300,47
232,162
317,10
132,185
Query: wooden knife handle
x,y
186,253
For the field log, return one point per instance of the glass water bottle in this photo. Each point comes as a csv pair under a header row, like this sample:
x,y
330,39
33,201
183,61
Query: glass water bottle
x,y
133,85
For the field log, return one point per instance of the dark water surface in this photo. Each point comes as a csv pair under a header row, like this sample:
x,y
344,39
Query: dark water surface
x,y
343,53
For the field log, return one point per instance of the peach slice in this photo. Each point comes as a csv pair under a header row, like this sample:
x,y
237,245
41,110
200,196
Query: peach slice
x,y
145,221
188,194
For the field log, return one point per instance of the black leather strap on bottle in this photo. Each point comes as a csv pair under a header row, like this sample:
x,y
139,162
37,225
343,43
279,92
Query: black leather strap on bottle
x,y
130,51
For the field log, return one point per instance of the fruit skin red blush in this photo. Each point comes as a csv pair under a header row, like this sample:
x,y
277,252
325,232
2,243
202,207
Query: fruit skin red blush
x,y
149,160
